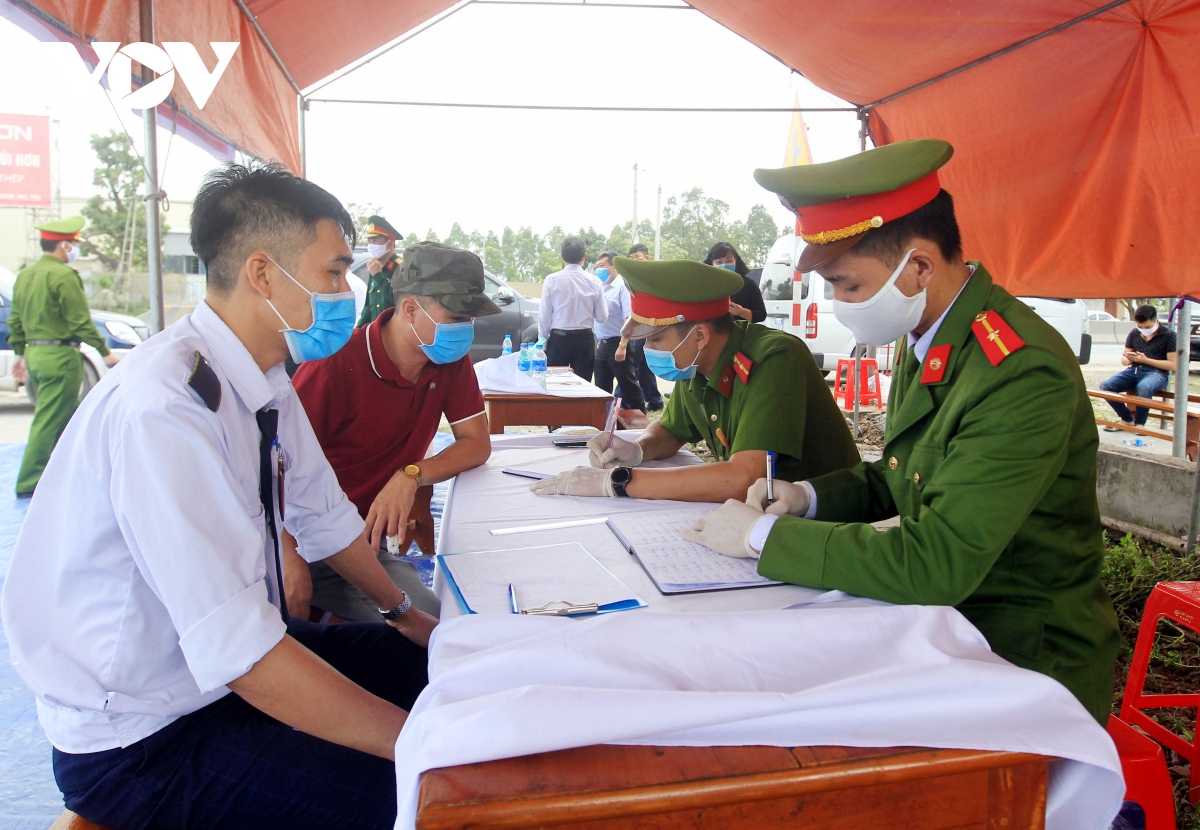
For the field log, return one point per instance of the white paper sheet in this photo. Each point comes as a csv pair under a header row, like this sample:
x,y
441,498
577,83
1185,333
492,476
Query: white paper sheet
x,y
678,566
501,375
539,575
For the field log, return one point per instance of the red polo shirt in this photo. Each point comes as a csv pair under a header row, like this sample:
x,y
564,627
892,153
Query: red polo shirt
x,y
370,421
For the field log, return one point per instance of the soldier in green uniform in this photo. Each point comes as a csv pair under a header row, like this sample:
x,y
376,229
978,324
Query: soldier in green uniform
x,y
49,319
381,245
743,388
990,454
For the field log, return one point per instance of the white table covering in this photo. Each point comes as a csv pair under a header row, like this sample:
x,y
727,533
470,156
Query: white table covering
x,y
501,375
835,671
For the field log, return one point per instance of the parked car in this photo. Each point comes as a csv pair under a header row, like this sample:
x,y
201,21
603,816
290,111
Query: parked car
x,y
1102,317
518,317
120,331
1194,351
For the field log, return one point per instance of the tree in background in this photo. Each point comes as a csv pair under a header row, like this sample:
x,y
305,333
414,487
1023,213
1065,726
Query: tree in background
x,y
359,213
116,219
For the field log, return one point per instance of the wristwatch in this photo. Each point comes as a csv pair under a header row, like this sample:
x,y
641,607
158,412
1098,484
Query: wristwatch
x,y
621,477
414,472
393,614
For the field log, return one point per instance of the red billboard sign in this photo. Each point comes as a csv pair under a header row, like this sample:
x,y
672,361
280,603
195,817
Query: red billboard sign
x,y
25,160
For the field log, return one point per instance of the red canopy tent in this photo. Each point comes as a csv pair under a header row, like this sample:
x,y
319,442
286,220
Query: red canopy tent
x,y
1076,145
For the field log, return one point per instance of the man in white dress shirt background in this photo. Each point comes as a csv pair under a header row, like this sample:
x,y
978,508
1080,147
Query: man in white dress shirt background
x,y
133,621
612,350
572,304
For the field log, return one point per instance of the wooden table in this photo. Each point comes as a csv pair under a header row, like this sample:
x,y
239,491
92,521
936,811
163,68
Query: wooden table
x,y
833,788
544,410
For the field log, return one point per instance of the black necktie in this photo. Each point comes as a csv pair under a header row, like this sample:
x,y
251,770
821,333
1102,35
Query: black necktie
x,y
268,426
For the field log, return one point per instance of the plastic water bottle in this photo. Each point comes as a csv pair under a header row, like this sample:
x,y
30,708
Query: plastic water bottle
x,y
538,372
506,349
525,360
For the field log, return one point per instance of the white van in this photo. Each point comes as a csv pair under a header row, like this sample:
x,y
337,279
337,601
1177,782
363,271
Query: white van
x,y
803,306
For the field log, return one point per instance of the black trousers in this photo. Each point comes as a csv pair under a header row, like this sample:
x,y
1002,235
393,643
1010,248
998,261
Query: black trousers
x,y
608,368
647,379
575,348
228,765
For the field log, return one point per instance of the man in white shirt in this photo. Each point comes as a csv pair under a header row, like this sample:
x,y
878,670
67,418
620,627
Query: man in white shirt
x,y
133,621
572,303
611,348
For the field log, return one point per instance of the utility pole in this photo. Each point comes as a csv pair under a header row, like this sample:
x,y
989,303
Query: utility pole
x,y
658,226
153,196
635,227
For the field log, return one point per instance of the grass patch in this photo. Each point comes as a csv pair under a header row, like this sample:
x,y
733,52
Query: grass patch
x,y
1132,567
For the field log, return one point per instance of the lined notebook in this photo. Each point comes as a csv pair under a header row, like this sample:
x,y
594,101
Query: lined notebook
x,y
676,565
564,573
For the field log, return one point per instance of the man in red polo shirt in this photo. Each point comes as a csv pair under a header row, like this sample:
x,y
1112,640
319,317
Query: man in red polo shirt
x,y
376,405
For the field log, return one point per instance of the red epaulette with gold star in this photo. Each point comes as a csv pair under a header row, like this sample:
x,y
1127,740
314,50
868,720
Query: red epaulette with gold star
x,y
742,365
995,336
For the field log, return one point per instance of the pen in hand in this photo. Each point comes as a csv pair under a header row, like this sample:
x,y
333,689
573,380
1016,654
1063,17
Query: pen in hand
x,y
770,477
612,427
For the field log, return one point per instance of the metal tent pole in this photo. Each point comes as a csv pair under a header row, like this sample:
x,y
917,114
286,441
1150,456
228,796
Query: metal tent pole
x,y
302,104
153,195
635,227
658,225
1183,343
862,146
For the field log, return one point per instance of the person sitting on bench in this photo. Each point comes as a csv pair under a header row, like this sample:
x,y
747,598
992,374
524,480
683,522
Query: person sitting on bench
x,y
1149,354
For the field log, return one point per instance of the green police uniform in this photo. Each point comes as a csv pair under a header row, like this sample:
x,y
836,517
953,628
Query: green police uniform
x,y
765,393
379,286
49,319
990,463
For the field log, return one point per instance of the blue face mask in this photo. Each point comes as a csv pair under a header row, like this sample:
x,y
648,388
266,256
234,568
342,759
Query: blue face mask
x,y
662,363
451,341
728,266
332,324
602,274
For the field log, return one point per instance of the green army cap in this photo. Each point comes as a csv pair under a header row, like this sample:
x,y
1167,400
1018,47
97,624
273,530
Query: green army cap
x,y
61,229
676,291
451,276
837,202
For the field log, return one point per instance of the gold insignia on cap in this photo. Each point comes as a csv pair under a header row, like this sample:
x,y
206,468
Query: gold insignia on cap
x,y
876,221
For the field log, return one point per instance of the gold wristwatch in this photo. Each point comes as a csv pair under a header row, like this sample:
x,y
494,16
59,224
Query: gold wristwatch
x,y
414,472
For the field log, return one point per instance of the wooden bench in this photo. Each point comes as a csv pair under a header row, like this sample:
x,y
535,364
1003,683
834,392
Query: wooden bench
x,y
70,821
1165,411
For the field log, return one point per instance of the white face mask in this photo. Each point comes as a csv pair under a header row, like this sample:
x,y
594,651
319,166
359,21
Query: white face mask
x,y
72,254
376,251
885,317
1148,332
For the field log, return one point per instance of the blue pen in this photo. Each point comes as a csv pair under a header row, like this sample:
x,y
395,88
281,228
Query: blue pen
x,y
512,598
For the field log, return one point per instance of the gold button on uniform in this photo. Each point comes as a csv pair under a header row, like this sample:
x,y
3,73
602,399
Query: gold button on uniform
x,y
713,417
893,463
916,478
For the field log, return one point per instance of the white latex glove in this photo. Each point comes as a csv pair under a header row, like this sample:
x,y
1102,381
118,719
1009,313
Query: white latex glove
x,y
790,499
622,453
582,481
726,530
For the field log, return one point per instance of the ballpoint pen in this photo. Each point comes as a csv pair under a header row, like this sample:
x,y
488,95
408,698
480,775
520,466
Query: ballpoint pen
x,y
613,426
770,477
512,598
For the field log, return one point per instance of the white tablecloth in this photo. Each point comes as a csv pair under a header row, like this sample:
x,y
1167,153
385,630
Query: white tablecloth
x,y
500,374
829,672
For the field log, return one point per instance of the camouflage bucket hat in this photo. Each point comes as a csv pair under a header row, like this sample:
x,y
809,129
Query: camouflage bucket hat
x,y
451,276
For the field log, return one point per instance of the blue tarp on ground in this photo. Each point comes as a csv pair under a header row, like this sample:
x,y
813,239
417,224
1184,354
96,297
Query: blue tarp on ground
x,y
29,799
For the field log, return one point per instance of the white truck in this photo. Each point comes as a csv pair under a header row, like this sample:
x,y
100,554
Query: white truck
x,y
802,304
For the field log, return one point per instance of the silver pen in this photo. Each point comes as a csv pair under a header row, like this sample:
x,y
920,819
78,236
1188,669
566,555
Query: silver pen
x,y
770,477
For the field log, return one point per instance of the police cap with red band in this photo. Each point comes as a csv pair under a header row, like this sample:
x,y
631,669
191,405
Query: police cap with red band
x,y
61,229
838,202
676,291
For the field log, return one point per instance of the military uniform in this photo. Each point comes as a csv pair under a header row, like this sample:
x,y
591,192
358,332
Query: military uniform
x,y
379,286
990,463
765,393
49,319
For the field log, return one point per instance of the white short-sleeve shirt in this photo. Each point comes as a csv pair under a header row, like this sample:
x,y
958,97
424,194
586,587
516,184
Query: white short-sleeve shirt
x,y
143,579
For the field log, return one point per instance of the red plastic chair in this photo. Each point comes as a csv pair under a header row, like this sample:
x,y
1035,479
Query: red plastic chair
x,y
1147,781
866,384
1180,603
